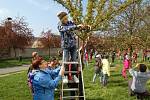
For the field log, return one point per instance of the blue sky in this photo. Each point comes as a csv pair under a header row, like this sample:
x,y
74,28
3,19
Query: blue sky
x,y
40,14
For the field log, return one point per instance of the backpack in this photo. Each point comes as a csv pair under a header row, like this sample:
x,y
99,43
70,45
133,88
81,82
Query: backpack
x,y
31,75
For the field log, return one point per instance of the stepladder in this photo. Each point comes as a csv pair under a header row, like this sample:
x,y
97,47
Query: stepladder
x,y
72,84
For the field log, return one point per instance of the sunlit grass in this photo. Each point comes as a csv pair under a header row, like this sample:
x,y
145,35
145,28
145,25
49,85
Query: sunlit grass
x,y
14,87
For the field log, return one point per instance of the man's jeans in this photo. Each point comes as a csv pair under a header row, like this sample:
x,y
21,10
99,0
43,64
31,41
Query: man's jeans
x,y
72,52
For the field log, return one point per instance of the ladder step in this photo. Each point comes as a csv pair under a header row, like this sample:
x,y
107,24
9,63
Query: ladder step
x,y
72,89
70,63
66,72
72,97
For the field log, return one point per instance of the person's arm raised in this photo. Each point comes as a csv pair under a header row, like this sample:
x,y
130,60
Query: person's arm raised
x,y
132,71
51,84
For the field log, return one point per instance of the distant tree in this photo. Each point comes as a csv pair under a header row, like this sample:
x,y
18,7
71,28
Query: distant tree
x,y
49,40
22,36
133,26
17,34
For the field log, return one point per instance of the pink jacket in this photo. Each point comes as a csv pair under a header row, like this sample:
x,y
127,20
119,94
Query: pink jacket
x,y
126,63
86,56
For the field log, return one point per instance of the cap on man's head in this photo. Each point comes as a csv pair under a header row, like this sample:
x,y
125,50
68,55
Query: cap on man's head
x,y
61,15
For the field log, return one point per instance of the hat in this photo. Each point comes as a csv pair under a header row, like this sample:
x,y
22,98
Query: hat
x,y
98,56
127,57
34,54
61,15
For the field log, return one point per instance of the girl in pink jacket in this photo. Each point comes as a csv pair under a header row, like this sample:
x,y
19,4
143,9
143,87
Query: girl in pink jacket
x,y
126,66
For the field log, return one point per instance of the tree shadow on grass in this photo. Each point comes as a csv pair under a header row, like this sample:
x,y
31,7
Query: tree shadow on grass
x,y
115,75
116,81
87,87
97,98
121,84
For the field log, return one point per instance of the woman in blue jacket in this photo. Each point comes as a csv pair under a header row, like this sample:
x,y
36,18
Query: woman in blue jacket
x,y
43,83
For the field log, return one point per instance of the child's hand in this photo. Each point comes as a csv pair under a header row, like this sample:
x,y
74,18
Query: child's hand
x,y
137,65
80,26
62,71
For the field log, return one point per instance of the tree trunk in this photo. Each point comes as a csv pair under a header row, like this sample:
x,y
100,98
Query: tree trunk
x,y
49,52
15,52
82,53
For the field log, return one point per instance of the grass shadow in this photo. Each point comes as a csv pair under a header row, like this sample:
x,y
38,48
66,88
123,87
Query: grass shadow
x,y
98,98
114,75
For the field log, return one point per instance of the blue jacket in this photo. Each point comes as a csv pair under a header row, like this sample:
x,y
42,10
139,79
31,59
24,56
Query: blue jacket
x,y
54,72
67,35
44,85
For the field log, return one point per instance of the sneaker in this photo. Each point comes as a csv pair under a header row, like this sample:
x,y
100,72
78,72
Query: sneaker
x,y
56,89
65,79
75,79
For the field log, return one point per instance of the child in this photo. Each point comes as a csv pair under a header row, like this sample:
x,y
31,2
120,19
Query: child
x,y
113,56
32,71
98,67
139,80
126,65
135,57
53,65
105,70
86,58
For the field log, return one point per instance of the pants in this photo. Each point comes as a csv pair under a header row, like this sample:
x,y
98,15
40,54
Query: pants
x,y
70,51
104,79
95,75
70,54
124,73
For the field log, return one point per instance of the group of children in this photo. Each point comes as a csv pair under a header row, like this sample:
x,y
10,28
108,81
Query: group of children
x,y
102,69
140,75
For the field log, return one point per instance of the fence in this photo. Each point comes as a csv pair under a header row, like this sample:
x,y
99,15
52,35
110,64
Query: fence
x,y
27,52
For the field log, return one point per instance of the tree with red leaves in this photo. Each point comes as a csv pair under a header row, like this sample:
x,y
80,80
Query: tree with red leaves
x,y
49,40
16,34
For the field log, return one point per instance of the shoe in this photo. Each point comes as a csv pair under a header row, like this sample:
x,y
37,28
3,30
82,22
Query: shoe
x,y
65,79
75,79
56,89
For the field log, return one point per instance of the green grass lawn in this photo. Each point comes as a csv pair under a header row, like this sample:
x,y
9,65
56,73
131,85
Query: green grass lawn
x,y
14,87
13,62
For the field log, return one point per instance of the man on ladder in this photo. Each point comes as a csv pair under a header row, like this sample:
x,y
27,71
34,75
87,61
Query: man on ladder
x,y
68,44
